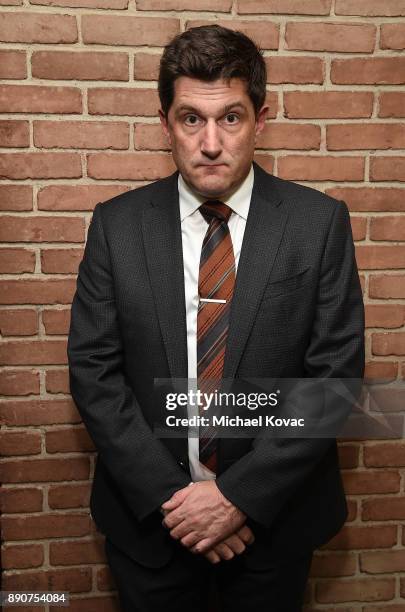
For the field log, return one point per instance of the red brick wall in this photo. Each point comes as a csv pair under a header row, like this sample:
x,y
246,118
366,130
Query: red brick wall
x,y
79,124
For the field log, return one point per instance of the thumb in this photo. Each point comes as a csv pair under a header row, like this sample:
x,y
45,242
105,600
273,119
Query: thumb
x,y
176,499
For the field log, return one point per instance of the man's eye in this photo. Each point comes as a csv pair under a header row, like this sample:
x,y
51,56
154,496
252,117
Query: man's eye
x,y
191,119
233,116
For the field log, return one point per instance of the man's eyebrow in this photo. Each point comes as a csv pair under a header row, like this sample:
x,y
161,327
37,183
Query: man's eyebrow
x,y
225,109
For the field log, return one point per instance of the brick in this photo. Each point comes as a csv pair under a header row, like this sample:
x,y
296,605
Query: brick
x,y
283,7
13,64
316,168
14,133
80,65
387,228
289,136
68,441
387,286
16,261
123,101
358,589
359,227
219,6
327,104
146,66
370,8
372,199
150,136
27,352
384,315
77,552
129,166
359,136
384,454
335,37
19,382
298,69
45,525
57,381
348,456
30,291
382,562
264,33
22,556
40,165
369,70
69,496
40,99
392,104
392,36
60,261
21,500
384,370
11,2
56,321
102,4
352,510
105,580
14,443
386,399
369,482
73,580
352,537
90,604
42,229
15,197
370,257
272,101
383,509
388,344
45,470
18,322
37,28
128,30
81,134
76,197
387,168
39,412
333,564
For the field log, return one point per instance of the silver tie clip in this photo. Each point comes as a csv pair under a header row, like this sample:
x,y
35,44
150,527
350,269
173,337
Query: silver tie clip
x,y
212,300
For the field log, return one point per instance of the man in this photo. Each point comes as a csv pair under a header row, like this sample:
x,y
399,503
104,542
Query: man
x,y
224,270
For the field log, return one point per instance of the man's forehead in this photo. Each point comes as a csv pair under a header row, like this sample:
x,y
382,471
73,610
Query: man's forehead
x,y
191,94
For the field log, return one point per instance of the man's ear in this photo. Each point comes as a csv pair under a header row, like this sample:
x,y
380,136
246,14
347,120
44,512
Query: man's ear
x,y
165,126
261,120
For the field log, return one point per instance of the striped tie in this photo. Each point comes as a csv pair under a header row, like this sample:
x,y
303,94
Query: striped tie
x,y
216,282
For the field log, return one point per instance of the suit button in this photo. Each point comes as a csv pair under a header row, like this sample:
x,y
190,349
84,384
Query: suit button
x,y
181,463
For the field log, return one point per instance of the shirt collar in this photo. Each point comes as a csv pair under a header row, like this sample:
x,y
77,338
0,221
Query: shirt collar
x,y
239,201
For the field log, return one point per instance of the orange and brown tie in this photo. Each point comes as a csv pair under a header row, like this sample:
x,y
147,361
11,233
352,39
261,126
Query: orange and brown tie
x,y
215,285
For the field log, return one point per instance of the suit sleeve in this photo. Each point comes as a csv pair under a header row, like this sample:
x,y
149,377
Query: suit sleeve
x,y
264,479
145,471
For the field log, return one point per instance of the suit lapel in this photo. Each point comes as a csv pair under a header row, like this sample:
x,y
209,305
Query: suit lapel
x,y
164,253
163,247
264,229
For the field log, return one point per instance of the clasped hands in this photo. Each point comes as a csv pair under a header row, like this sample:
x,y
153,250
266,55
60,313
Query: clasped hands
x,y
206,522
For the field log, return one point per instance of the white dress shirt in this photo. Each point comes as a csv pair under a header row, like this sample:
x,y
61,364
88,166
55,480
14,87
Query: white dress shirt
x,y
193,229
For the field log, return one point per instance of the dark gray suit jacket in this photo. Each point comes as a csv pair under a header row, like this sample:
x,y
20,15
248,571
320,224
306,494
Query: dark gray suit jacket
x,y
297,311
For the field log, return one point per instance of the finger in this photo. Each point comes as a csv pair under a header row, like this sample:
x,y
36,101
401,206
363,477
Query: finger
x,y
246,534
235,543
212,556
181,530
224,551
204,545
190,539
172,519
176,499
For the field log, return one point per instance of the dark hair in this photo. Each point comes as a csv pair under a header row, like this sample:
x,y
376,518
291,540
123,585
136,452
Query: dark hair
x,y
208,53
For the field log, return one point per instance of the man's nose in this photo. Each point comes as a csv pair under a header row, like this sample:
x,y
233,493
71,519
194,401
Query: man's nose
x,y
211,141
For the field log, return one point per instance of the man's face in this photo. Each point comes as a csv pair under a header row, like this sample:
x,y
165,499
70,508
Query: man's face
x,y
212,130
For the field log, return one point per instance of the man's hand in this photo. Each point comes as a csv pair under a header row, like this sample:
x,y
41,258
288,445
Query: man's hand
x,y
233,545
200,516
